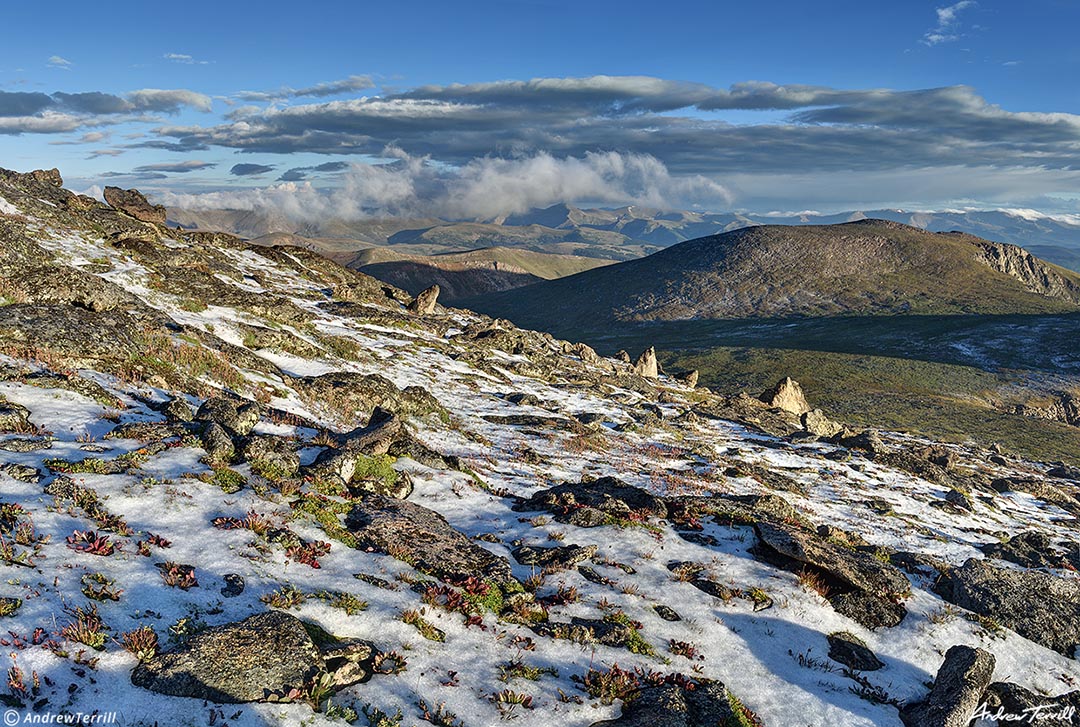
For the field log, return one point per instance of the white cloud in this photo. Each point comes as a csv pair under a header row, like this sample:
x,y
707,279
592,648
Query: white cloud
x,y
947,28
59,62
483,188
185,59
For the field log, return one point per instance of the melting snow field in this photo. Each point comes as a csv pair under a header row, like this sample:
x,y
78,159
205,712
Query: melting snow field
x,y
773,658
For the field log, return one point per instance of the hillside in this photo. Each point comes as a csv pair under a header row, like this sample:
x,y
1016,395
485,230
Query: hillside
x,y
244,485
464,274
624,233
869,267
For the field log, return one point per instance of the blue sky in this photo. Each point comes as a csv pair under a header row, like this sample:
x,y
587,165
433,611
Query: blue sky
x,y
482,108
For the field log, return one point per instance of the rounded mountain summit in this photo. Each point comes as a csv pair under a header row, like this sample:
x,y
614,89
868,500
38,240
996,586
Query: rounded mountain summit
x,y
868,267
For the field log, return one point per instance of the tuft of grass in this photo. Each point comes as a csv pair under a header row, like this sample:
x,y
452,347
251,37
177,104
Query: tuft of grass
x,y
428,630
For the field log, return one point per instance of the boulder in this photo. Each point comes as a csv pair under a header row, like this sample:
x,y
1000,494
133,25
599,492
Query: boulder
x,y
857,569
48,176
958,688
238,418
14,417
1031,549
253,660
706,704
424,539
689,378
270,456
353,394
217,443
133,203
645,365
861,586
788,395
817,423
1005,698
852,652
1040,607
561,557
599,502
424,303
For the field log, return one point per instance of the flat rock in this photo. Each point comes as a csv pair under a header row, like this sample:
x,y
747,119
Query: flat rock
x,y
857,569
598,502
423,538
1040,607
560,557
670,705
247,661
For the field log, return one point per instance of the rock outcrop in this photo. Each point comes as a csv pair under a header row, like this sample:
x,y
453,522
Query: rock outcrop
x,y
788,395
132,202
424,539
1040,607
425,301
646,365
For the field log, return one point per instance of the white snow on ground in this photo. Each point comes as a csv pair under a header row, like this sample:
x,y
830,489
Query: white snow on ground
x,y
6,208
773,659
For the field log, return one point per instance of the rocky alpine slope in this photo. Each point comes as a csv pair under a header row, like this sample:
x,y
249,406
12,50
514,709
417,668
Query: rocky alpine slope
x,y
243,485
868,267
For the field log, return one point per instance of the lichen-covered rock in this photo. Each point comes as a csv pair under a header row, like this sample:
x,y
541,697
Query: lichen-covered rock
x,y
352,394
1040,607
863,587
598,502
14,417
556,558
707,704
239,418
218,444
271,457
958,687
815,422
424,539
247,661
1007,698
132,202
1032,549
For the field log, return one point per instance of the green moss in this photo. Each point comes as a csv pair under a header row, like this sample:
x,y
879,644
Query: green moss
x,y
230,481
192,305
378,468
9,606
743,716
88,465
326,514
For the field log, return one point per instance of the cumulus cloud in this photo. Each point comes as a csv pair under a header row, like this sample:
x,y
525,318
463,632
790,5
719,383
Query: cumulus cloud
x,y
484,188
948,21
42,113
